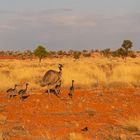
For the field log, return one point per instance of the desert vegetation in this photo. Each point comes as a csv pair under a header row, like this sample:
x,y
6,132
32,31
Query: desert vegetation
x,y
109,71
86,74
99,86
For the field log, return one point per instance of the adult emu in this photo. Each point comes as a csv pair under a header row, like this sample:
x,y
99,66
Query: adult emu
x,y
52,79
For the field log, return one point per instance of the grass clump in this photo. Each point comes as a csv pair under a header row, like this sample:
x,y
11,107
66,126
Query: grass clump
x,y
132,124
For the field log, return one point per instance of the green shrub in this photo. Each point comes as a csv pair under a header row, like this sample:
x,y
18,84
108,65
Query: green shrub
x,y
40,52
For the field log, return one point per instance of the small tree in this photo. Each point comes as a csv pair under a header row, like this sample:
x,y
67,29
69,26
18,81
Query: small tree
x,y
127,44
40,52
87,54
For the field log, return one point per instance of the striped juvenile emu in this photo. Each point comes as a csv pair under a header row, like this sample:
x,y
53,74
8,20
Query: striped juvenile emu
x,y
52,79
22,92
12,91
71,89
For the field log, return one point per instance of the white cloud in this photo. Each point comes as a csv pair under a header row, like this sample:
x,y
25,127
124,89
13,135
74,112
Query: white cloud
x,y
73,20
42,18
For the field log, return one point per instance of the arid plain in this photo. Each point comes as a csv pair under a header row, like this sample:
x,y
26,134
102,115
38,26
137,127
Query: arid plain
x,y
105,104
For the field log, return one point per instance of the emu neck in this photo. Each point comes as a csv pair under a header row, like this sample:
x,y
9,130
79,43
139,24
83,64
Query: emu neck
x,y
26,87
60,70
15,87
72,84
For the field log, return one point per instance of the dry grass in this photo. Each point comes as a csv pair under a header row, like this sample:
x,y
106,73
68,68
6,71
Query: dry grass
x,y
76,136
132,124
87,72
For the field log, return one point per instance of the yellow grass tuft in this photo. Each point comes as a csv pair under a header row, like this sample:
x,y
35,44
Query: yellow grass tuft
x,y
132,124
76,136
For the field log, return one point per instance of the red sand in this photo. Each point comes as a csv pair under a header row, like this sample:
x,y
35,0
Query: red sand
x,y
43,116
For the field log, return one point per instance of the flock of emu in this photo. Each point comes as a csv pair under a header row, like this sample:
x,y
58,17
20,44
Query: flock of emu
x,y
52,80
13,92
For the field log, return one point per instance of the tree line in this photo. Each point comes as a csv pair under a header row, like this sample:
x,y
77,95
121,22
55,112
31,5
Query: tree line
x,y
41,52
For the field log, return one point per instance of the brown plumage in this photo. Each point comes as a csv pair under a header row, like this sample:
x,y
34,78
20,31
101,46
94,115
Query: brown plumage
x,y
52,78
12,91
23,91
71,89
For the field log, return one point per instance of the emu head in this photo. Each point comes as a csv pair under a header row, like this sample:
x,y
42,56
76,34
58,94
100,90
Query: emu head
x,y
60,66
27,84
16,85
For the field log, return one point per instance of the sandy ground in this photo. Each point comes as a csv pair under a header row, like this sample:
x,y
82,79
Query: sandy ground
x,y
48,117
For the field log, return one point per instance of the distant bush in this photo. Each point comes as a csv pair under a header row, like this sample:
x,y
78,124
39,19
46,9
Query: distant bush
x,y
106,52
132,54
71,52
119,53
97,51
92,51
61,52
86,54
2,53
76,55
85,51
52,53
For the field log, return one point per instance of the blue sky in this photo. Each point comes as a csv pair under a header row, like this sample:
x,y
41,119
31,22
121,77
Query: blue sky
x,y
68,24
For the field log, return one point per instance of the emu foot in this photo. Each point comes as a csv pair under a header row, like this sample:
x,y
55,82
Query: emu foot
x,y
24,97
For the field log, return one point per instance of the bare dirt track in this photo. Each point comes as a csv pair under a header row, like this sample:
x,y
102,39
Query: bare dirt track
x,y
44,117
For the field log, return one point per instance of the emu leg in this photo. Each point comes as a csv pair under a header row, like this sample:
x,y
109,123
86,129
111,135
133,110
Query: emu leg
x,y
57,88
21,97
57,91
11,95
49,90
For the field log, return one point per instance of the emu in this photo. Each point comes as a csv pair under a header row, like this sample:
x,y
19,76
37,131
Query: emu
x,y
52,79
71,89
12,91
23,91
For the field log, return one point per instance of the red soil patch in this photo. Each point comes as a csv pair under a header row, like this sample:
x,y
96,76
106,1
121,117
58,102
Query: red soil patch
x,y
8,57
49,117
